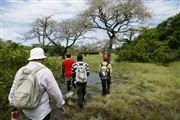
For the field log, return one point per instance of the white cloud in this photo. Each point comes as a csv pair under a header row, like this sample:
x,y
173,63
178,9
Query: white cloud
x,y
162,9
27,11
17,15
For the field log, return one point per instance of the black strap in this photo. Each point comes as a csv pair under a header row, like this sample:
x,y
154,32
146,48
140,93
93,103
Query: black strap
x,y
105,65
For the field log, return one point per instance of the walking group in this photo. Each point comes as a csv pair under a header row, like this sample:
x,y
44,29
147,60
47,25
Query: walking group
x,y
35,102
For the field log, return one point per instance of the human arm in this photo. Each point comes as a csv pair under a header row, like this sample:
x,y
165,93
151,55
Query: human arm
x,y
62,69
52,88
11,93
87,69
73,69
62,72
110,68
99,69
13,87
14,111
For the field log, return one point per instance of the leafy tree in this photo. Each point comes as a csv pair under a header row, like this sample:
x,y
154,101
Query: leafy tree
x,y
169,30
160,44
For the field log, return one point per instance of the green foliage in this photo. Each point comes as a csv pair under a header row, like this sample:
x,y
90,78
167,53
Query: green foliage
x,y
138,90
52,50
161,44
12,57
54,64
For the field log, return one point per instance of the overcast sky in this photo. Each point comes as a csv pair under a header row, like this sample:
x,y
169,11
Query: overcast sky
x,y
17,15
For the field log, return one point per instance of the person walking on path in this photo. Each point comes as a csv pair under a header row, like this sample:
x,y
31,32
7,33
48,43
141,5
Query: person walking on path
x,y
80,72
66,70
46,84
105,71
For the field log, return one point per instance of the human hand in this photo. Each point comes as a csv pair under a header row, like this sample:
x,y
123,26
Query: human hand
x,y
74,82
14,115
61,109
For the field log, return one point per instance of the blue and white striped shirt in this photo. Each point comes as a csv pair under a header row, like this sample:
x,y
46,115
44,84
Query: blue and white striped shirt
x,y
75,65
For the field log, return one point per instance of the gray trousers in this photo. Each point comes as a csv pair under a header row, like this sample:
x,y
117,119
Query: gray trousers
x,y
68,83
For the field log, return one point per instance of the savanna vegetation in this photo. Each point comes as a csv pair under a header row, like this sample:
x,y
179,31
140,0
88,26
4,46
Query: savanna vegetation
x,y
142,89
160,44
139,90
12,57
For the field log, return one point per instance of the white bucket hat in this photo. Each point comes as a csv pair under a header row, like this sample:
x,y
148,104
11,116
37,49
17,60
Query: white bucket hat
x,y
37,53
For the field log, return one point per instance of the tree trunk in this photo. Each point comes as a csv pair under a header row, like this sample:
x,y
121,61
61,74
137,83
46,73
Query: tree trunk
x,y
64,53
110,48
63,56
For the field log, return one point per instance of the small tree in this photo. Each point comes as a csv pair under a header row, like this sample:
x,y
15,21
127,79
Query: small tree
x,y
41,28
49,31
72,30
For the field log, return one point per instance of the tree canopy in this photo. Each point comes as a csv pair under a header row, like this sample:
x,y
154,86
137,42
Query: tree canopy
x,y
49,31
159,44
116,17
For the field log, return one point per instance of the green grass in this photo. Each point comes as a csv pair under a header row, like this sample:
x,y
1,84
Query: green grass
x,y
151,89
139,91
93,61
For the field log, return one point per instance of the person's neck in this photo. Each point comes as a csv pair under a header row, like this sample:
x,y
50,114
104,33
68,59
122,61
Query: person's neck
x,y
39,61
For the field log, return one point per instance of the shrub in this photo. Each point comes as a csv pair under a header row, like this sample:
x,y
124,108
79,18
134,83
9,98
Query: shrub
x,y
11,59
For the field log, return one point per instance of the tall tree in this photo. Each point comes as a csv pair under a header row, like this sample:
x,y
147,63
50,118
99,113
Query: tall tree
x,y
116,17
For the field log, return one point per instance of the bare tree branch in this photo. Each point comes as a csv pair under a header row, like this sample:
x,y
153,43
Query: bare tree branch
x,y
115,16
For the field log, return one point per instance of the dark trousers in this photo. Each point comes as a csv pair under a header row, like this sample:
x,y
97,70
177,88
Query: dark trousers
x,y
47,117
106,86
68,83
81,91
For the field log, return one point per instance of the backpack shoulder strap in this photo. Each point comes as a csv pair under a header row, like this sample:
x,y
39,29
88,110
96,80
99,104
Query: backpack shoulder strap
x,y
101,64
80,64
38,68
35,70
104,64
107,64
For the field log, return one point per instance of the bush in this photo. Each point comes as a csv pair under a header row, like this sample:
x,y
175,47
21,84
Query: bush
x,y
12,57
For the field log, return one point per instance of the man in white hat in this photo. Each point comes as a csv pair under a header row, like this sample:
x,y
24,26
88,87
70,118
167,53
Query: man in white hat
x,y
47,84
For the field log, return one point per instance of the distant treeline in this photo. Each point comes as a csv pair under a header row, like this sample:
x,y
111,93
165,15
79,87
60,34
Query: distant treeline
x,y
160,44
